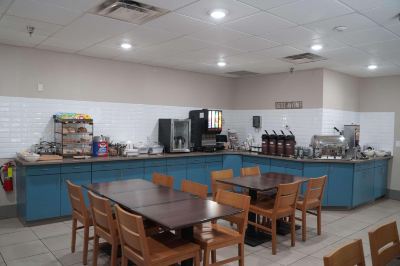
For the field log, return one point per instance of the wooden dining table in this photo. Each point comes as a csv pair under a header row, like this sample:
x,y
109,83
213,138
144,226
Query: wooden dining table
x,y
172,209
261,183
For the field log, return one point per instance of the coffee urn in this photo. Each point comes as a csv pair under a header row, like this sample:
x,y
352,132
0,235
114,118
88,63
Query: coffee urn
x,y
264,143
290,144
272,144
280,144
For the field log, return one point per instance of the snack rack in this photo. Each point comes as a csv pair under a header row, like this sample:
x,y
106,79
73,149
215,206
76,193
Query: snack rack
x,y
73,136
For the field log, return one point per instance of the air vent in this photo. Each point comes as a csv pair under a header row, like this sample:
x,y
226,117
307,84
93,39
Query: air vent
x,y
303,58
127,10
242,73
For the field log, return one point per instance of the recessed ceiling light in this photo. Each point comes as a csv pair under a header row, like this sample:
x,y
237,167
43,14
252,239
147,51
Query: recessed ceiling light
x,y
126,46
340,28
372,67
218,13
221,63
316,47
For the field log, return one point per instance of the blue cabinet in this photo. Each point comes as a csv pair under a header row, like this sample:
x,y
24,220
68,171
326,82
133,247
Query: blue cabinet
x,y
313,170
213,163
262,163
340,185
106,176
153,166
196,172
363,186
78,179
177,169
380,179
233,162
134,173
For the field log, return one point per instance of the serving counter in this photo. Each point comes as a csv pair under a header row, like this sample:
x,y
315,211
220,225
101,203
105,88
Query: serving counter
x,y
42,191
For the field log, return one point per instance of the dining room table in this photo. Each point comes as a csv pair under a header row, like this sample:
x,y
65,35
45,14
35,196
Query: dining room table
x,y
256,185
173,210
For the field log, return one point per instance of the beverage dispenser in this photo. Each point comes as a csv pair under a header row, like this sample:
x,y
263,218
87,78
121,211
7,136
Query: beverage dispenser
x,y
206,124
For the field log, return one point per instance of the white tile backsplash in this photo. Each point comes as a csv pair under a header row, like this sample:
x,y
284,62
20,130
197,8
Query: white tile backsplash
x,y
23,121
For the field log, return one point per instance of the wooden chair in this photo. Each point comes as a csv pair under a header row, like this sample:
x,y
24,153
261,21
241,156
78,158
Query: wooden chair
x,y
194,188
249,171
384,244
218,236
163,249
349,255
79,214
312,200
163,180
221,174
283,206
104,226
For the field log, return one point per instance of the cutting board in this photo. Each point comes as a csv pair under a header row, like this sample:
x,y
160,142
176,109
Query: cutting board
x,y
50,157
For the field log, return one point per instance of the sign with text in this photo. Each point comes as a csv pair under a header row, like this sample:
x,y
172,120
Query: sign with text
x,y
289,105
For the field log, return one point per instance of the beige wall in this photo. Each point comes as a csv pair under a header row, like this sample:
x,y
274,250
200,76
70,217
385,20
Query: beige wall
x,y
76,77
261,92
340,91
383,95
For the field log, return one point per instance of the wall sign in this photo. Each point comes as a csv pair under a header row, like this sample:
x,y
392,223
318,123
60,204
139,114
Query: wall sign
x,y
289,105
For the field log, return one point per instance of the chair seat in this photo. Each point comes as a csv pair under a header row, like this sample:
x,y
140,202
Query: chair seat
x,y
266,208
214,234
166,246
311,204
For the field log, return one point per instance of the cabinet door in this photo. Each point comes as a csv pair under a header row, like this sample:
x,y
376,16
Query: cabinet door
x,y
340,185
106,176
312,170
363,186
197,173
233,162
134,173
278,166
78,179
149,170
179,174
212,166
42,197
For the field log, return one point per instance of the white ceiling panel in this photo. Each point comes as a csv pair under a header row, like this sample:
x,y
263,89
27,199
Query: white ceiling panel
x,y
394,28
219,35
362,71
268,66
327,43
363,5
364,37
306,11
77,5
267,4
277,52
88,30
102,52
177,24
57,45
212,53
4,4
18,24
352,21
260,24
170,4
19,38
251,44
46,12
292,35
385,50
201,9
347,56
383,15
182,44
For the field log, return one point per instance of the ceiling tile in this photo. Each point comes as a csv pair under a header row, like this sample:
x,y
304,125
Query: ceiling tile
x,y
363,5
292,35
213,53
306,11
267,4
102,52
201,9
170,4
18,24
260,24
182,44
4,4
88,30
327,43
46,12
347,56
13,37
384,69
219,35
65,46
141,36
268,66
363,37
384,15
394,28
251,44
277,52
77,5
178,24
351,21
383,49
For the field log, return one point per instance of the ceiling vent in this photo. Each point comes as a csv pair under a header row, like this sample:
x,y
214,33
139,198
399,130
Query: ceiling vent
x,y
303,58
127,10
242,73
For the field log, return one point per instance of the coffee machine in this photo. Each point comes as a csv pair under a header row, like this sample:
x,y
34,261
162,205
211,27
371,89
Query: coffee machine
x,y
206,124
174,134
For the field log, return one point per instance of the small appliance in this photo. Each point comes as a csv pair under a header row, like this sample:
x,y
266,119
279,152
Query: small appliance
x,y
206,124
174,134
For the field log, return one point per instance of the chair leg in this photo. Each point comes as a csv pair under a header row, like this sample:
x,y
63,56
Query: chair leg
x,y
293,229
213,256
241,254
303,225
206,257
95,249
114,254
73,239
85,242
319,210
197,260
124,261
273,236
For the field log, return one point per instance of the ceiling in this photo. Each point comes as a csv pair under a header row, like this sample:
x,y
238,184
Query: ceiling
x,y
252,37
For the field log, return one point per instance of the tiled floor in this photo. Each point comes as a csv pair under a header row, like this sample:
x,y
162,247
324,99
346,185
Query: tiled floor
x,y
50,244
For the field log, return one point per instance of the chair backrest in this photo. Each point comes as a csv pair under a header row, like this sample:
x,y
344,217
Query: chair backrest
x,y
77,202
249,171
348,255
384,244
239,201
163,180
132,235
102,215
194,188
315,189
221,174
286,197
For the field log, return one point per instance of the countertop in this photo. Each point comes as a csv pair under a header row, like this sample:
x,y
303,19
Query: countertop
x,y
190,154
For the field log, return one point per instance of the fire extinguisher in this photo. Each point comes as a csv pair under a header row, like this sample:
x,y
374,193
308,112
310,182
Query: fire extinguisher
x,y
6,176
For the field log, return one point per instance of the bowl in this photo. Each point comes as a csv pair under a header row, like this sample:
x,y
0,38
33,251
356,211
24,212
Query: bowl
x,y
369,153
